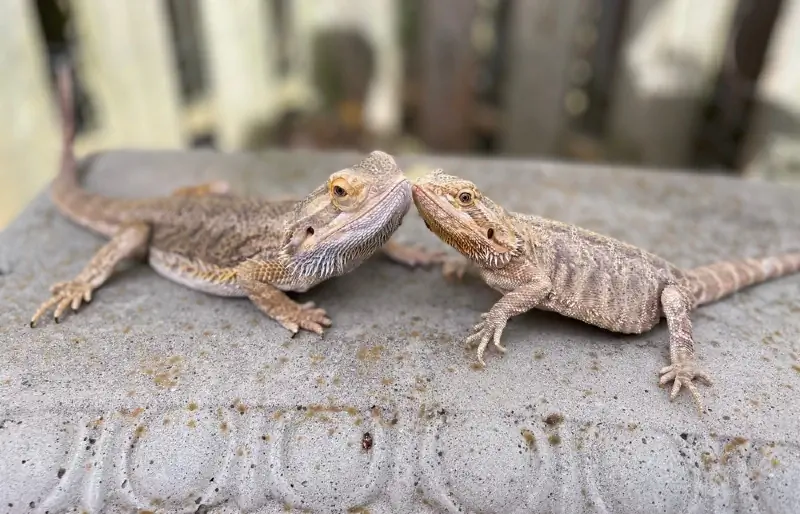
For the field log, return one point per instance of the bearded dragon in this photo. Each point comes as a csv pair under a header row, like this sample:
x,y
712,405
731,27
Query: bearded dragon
x,y
221,244
549,265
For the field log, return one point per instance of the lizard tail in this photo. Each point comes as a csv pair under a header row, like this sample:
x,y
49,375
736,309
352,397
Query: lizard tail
x,y
714,281
90,210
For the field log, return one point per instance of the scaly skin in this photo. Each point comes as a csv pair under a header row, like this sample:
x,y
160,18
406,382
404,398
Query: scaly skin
x,y
212,241
544,264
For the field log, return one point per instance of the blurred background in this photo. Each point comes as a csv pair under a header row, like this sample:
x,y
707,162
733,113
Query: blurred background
x,y
710,85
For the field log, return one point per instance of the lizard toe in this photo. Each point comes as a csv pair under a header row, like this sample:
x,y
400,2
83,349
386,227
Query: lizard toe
x,y
683,374
291,326
312,326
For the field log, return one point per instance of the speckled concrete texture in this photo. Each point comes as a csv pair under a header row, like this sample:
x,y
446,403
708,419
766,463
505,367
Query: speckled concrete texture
x,y
158,398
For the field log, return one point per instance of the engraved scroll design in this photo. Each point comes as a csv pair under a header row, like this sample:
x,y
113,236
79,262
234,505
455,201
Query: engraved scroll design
x,y
241,459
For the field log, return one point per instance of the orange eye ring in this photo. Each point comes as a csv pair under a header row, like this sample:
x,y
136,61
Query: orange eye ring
x,y
340,188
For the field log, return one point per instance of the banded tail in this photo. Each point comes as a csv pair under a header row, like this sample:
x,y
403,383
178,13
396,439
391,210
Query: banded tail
x,y
90,210
714,281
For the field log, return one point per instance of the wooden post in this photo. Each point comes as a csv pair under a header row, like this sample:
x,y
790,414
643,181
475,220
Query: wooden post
x,y
448,70
29,137
540,47
129,70
240,47
672,52
384,99
377,22
772,148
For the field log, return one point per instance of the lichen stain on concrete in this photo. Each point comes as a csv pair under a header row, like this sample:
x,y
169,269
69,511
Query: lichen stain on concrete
x,y
165,372
369,353
530,439
729,448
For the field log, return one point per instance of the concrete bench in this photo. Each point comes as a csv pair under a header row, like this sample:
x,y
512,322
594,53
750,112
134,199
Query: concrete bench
x,y
162,399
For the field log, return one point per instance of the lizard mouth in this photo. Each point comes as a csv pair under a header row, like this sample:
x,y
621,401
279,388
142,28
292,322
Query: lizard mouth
x,y
432,208
451,227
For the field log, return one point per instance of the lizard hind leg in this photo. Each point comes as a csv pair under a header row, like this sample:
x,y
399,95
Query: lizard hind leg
x,y
683,369
453,268
130,241
214,187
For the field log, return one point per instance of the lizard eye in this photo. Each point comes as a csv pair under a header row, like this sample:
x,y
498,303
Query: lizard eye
x,y
490,233
465,197
340,188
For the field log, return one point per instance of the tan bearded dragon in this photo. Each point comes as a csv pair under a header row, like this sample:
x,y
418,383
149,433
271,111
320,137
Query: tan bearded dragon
x,y
544,264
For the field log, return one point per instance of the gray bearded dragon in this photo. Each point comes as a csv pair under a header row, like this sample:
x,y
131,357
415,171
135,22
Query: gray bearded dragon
x,y
544,264
234,246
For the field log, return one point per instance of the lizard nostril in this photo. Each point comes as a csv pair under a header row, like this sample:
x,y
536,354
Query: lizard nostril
x,y
310,231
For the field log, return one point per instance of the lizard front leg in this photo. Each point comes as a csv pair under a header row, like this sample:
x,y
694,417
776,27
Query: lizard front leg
x,y
252,277
683,369
414,256
130,241
521,299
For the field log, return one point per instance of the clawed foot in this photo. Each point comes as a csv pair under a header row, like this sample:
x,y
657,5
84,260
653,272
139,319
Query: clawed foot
x,y
417,256
64,294
454,268
413,256
683,374
490,329
306,316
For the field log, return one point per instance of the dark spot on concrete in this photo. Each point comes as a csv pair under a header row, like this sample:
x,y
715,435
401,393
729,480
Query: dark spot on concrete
x,y
684,436
61,472
554,419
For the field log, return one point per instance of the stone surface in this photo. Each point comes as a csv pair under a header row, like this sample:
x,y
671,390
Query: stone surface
x,y
162,399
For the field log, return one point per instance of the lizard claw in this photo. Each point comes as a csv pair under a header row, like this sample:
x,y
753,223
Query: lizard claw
x,y
488,330
683,374
306,316
64,294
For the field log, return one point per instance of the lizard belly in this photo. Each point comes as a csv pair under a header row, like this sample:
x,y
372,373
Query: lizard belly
x,y
199,276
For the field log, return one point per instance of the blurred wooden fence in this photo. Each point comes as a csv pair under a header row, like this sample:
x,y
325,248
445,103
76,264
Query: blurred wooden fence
x,y
649,82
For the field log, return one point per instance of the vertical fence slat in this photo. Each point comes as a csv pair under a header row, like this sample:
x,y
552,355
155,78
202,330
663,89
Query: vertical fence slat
x,y
129,70
384,98
539,54
672,53
772,148
242,65
29,141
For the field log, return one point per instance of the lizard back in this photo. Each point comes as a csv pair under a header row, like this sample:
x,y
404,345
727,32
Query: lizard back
x,y
199,241
597,279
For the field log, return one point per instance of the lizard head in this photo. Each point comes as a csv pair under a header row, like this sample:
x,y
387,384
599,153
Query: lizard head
x,y
460,215
348,218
